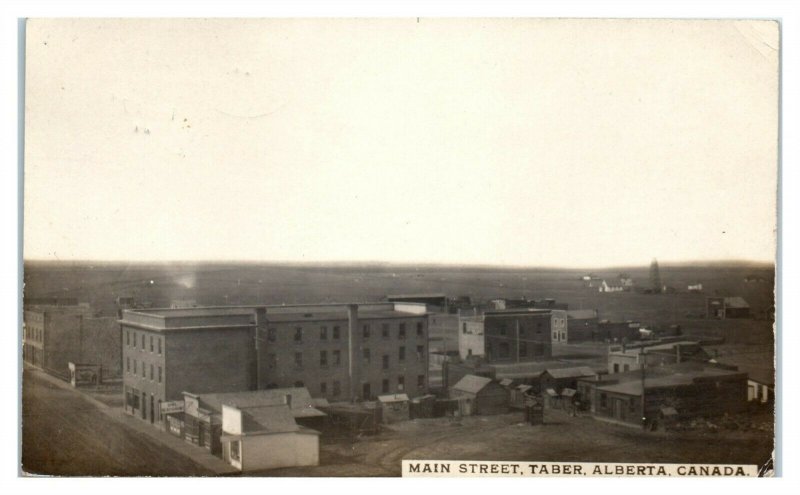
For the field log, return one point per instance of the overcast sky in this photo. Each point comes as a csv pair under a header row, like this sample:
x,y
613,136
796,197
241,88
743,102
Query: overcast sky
x,y
515,142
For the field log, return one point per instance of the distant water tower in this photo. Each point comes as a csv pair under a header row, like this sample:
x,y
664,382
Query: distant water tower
x,y
655,277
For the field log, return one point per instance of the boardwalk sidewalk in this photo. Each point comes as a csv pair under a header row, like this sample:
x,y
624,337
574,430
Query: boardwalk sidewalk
x,y
197,454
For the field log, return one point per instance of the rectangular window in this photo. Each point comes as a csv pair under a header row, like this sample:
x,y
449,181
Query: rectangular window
x,y
323,388
323,333
401,353
365,331
235,455
135,369
159,374
632,405
386,361
298,359
420,381
144,371
159,346
555,335
143,344
385,386
152,373
385,330
127,337
298,334
272,334
152,347
337,388
401,333
336,333
323,358
420,329
504,350
337,358
420,352
401,383
502,329
366,355
128,364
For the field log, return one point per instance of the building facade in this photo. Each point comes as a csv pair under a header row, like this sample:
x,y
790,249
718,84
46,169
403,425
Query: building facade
x,y
166,352
517,335
346,352
339,352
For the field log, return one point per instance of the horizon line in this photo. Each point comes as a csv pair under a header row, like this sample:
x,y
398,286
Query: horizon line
x,y
468,265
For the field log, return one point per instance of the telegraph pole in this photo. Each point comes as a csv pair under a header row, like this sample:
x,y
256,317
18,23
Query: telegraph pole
x,y
643,366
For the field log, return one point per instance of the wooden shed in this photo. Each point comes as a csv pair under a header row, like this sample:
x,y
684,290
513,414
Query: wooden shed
x,y
395,407
485,395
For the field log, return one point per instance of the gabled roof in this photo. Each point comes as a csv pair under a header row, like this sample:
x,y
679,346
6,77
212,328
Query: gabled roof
x,y
393,398
764,377
736,302
581,314
506,382
472,384
302,405
269,419
577,372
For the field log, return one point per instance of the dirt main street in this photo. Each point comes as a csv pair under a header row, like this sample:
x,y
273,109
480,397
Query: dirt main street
x,y
64,434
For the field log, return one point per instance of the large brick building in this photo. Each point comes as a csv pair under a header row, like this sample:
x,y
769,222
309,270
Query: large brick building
x,y
517,335
54,336
338,351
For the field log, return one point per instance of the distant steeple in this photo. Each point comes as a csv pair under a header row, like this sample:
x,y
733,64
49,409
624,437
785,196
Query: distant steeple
x,y
655,277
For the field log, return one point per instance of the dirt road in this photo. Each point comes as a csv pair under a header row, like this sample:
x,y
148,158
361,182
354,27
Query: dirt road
x,y
63,434
505,438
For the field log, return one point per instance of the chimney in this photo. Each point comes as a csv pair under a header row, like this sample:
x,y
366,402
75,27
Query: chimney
x,y
260,340
352,331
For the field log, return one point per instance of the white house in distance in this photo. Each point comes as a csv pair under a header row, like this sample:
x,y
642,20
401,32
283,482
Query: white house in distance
x,y
604,287
266,437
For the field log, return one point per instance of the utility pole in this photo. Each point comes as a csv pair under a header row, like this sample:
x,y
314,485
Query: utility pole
x,y
643,366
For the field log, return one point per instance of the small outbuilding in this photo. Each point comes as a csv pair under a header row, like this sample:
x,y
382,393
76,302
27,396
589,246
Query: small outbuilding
x,y
266,437
485,395
394,407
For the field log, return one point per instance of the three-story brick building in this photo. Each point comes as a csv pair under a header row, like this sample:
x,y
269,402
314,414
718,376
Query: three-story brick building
x,y
340,352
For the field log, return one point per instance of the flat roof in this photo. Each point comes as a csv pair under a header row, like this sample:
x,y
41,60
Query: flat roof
x,y
339,315
634,387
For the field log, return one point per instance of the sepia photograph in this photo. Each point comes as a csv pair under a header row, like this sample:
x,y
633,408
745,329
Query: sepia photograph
x,y
399,247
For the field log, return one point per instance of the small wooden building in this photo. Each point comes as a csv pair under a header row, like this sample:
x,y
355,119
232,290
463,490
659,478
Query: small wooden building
x,y
266,437
394,407
485,395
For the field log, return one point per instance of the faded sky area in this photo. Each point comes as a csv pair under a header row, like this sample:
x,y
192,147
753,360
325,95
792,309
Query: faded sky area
x,y
509,142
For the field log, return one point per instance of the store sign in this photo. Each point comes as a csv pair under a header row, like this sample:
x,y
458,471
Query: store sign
x,y
171,406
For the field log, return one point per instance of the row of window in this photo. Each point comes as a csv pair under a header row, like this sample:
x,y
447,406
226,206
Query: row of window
x,y
504,349
336,332
366,388
334,358
33,334
135,370
132,339
632,402
502,329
